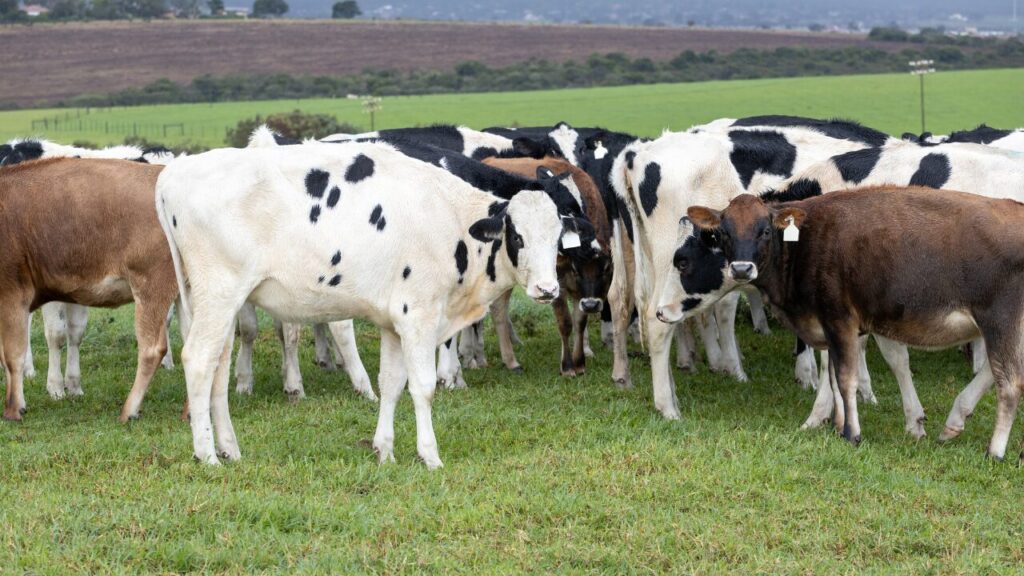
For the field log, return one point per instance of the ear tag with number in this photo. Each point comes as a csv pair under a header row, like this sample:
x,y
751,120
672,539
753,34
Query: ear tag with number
x,y
791,233
600,151
570,240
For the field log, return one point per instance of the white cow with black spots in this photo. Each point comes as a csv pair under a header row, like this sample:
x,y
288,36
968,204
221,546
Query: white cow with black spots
x,y
266,225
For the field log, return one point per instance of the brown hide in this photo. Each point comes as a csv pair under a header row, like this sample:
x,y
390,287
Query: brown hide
x,y
926,267
82,231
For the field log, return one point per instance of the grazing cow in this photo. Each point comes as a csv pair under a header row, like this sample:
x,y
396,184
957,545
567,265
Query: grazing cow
x,y
584,272
931,268
656,182
325,232
82,231
981,169
466,141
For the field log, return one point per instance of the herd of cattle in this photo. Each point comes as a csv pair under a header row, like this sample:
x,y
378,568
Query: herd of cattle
x,y
421,231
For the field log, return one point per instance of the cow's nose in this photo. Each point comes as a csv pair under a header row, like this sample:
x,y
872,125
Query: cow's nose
x,y
743,271
591,305
545,291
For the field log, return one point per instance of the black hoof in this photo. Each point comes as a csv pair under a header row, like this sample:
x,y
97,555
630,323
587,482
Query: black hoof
x,y
517,370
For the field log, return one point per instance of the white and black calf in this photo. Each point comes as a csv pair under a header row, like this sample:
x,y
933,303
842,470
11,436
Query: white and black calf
x,y
320,233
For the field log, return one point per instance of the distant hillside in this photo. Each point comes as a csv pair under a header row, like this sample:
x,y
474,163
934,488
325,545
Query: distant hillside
x,y
953,14
69,60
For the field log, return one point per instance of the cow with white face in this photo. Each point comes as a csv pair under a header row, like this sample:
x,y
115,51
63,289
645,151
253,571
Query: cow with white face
x,y
319,233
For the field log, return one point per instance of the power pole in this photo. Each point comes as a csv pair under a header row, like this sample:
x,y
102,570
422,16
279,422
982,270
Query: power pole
x,y
372,105
919,68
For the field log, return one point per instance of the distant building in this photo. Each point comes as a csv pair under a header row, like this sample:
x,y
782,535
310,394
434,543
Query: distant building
x,y
34,10
238,11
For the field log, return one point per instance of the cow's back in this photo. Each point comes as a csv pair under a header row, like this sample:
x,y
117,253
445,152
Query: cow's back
x,y
73,229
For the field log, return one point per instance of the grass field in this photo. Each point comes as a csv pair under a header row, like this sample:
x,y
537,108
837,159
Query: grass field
x,y
890,102
542,474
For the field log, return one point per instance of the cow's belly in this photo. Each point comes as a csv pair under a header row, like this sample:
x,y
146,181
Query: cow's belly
x,y
930,332
108,292
292,304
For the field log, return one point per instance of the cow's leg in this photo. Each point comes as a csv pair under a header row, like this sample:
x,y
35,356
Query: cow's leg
x,y
290,333
151,335
391,381
29,365
563,320
418,351
224,431
344,335
479,354
725,314
708,328
579,357
201,356
863,376
965,402
467,340
503,326
1008,381
168,359
13,326
449,367
844,349
898,359
588,352
77,320
248,327
824,400
659,342
56,331
322,344
620,303
686,346
806,368
979,355
757,313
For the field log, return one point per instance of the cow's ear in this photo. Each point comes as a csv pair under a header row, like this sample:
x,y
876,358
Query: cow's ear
x,y
782,217
488,229
704,218
528,148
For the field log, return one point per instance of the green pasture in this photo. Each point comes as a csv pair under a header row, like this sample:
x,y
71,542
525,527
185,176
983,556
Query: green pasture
x,y
888,102
542,474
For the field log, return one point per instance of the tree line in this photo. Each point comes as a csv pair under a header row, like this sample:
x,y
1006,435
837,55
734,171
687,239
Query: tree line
x,y
76,10
613,69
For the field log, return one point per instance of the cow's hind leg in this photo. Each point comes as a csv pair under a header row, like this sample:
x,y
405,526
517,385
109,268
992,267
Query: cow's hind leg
x,y
898,359
30,365
77,321
224,431
151,335
56,332
844,351
418,352
248,328
686,346
13,328
863,376
965,402
290,334
344,335
322,345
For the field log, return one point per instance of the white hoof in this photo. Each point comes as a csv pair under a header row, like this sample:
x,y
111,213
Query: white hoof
x,y
55,388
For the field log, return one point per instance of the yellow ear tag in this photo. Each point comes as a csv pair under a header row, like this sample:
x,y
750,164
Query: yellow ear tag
x,y
791,233
600,151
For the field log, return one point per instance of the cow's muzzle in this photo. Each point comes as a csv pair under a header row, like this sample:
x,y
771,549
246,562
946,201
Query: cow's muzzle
x,y
591,305
743,272
543,292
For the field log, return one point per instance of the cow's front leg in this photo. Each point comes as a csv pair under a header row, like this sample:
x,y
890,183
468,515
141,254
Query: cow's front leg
x,y
725,314
563,320
56,332
824,400
77,321
322,344
13,331
659,342
965,402
248,327
898,359
506,336
391,381
290,333
419,362
227,442
344,335
863,375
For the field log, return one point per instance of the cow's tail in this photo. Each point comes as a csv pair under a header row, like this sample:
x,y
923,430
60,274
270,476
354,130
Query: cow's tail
x,y
185,308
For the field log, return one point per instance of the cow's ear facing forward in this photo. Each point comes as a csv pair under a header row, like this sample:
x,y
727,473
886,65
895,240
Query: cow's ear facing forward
x,y
704,218
528,148
781,218
488,229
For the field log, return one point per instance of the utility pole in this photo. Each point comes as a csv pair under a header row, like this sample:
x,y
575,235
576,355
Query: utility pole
x,y
371,105
919,68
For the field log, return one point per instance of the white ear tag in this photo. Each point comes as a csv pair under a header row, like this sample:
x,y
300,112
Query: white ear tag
x,y
570,240
791,233
600,151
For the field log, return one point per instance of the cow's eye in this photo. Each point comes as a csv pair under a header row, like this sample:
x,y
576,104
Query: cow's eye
x,y
518,241
767,232
682,263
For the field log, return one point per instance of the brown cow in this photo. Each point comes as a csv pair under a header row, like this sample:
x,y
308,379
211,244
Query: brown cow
x,y
926,267
82,231
584,275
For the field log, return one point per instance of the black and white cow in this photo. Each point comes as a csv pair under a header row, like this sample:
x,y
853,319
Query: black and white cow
x,y
466,141
657,181
297,230
995,137
983,170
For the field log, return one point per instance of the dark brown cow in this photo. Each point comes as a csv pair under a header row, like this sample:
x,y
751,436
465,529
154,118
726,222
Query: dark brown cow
x,y
82,231
929,268
584,273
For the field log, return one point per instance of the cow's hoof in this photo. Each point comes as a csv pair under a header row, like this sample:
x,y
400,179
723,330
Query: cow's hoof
x,y
12,417
295,395
125,418
623,383
948,434
517,370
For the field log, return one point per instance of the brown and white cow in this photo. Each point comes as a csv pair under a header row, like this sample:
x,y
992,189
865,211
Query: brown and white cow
x,y
82,231
926,267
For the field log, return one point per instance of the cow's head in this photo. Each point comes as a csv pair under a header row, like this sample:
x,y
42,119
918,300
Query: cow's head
x,y
529,229
749,233
703,275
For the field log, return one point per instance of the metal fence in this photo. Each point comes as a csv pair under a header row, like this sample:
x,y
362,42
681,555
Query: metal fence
x,y
77,121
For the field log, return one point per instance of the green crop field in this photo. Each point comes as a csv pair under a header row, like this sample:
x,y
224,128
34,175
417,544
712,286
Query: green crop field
x,y
889,102
542,474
